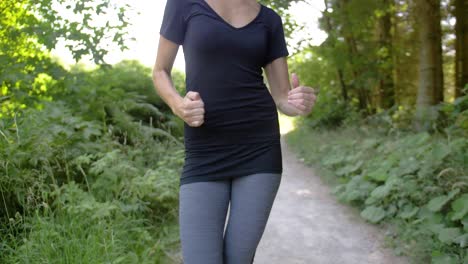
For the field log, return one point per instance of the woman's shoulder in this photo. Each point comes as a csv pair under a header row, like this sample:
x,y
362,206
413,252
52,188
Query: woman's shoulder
x,y
272,18
270,11
190,7
182,4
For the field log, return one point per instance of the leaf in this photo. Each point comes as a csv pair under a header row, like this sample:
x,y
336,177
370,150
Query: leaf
x,y
394,180
421,138
462,240
448,235
390,162
460,207
464,222
357,188
369,143
351,196
430,220
408,166
409,186
373,214
440,151
91,130
331,160
378,175
434,228
381,191
349,168
453,193
408,211
438,202
444,259
392,210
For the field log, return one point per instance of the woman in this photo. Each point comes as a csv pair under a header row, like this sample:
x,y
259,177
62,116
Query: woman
x,y
231,131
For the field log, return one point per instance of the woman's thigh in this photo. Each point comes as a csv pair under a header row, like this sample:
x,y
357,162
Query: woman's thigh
x,y
252,198
203,208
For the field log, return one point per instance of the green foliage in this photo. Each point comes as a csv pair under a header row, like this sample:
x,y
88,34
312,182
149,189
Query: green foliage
x,y
437,203
85,25
415,181
92,177
79,229
130,104
86,175
314,70
361,130
373,214
460,208
359,60
30,29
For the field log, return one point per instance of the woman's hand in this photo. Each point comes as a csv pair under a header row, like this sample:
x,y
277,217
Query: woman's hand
x,y
191,109
300,99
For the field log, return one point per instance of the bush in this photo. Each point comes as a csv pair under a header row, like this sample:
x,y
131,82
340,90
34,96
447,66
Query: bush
x,y
416,181
89,178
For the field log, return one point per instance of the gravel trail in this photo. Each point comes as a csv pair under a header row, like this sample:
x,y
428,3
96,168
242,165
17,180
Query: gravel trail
x,y
307,225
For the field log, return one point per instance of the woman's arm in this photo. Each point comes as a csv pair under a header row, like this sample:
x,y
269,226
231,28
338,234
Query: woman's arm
x,y
167,51
299,100
190,108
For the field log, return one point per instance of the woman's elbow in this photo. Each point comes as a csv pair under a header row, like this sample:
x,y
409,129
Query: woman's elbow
x,y
157,75
157,72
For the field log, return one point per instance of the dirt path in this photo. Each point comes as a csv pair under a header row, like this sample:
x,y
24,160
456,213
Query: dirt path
x,y
308,225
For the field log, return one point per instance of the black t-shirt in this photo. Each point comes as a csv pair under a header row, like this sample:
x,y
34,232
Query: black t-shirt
x,y
224,65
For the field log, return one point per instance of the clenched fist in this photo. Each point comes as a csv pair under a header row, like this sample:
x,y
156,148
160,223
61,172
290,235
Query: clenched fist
x,y
301,97
191,109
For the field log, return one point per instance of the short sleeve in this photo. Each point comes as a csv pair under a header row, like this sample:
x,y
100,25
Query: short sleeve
x,y
173,23
277,46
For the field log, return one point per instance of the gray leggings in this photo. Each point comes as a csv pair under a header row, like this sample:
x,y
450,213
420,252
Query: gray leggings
x,y
203,206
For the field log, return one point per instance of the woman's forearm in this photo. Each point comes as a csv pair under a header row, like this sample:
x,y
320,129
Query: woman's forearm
x,y
164,87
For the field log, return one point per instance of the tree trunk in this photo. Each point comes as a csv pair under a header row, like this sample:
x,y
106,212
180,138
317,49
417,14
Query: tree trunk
x,y
461,46
363,93
344,89
430,90
386,85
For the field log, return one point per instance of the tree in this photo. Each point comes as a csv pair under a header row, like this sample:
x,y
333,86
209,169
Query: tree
x,y
30,29
461,44
430,89
386,85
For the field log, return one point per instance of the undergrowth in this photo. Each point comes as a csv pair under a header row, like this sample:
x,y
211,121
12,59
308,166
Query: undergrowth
x,y
92,175
414,182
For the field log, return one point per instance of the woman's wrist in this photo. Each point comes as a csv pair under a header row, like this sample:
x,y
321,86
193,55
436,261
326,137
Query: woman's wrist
x,y
286,108
175,104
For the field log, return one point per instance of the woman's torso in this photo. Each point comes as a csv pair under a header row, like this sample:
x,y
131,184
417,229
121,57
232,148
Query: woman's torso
x,y
224,65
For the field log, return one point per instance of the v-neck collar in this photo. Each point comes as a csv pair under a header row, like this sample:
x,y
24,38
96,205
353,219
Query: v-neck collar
x,y
229,24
